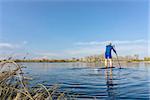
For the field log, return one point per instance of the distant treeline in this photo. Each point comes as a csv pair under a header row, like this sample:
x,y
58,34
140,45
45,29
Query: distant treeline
x,y
147,59
100,58
94,58
44,60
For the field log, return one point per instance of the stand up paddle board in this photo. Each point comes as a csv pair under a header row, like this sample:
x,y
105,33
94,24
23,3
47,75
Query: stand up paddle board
x,y
107,67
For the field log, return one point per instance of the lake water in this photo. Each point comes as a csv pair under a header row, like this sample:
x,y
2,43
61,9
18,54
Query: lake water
x,y
89,81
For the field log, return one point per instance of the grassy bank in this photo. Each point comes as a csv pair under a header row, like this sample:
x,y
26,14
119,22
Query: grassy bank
x,y
14,86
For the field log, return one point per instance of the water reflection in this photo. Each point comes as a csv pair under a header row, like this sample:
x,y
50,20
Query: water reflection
x,y
109,83
91,80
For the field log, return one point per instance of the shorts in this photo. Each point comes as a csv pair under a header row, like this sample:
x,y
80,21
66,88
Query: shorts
x,y
108,56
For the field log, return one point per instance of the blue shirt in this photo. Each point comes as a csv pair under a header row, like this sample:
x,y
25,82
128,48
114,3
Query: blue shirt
x,y
109,48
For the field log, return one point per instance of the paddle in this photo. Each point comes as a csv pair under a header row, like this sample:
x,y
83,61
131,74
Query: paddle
x,y
118,60
117,57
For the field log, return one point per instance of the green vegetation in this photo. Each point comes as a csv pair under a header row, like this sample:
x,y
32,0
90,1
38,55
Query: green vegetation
x,y
134,60
147,59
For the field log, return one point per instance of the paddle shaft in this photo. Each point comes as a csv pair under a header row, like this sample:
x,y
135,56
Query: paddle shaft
x,y
118,60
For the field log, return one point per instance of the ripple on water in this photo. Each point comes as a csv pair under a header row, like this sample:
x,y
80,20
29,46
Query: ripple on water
x,y
128,83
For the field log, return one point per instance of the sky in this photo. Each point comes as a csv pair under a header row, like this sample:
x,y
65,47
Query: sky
x,y
64,29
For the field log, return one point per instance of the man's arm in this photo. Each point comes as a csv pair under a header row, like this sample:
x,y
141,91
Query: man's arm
x,y
114,51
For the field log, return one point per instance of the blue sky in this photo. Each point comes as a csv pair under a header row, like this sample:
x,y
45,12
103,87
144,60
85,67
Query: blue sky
x,y
67,28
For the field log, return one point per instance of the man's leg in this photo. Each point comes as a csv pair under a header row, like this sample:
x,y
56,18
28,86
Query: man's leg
x,y
110,62
106,63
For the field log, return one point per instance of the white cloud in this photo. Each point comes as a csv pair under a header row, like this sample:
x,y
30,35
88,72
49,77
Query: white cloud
x,y
115,42
8,46
126,47
81,49
15,50
47,54
91,48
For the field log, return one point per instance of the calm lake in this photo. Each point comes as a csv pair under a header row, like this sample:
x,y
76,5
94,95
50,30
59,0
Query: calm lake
x,y
89,81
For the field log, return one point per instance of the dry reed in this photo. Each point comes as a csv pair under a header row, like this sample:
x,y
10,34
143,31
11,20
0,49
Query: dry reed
x,y
13,86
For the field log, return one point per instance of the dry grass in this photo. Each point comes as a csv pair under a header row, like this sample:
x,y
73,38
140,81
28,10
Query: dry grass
x,y
13,86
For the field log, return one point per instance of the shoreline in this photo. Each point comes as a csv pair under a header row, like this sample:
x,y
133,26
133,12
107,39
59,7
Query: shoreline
x,y
70,61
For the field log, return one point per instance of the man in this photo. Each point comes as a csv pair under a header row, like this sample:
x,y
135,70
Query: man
x,y
108,56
